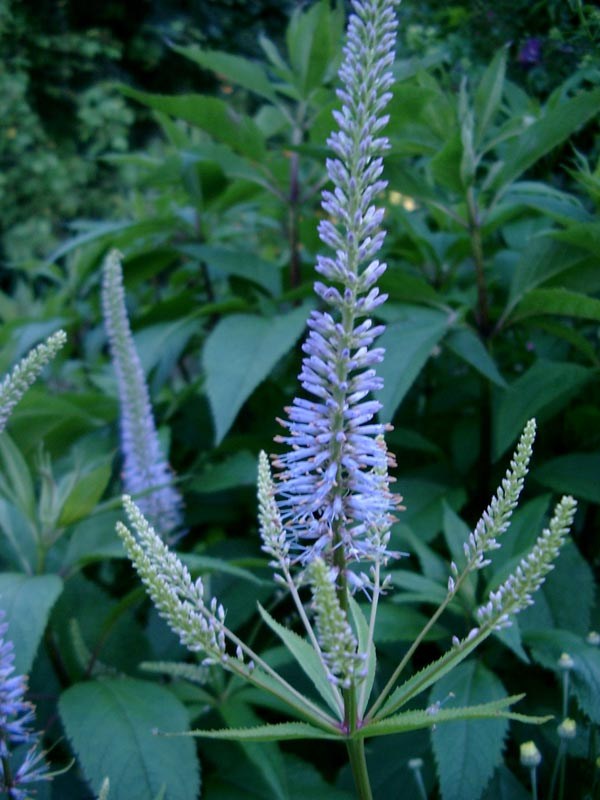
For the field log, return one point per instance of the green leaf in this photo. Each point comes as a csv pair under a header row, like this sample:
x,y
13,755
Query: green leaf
x,y
546,648
541,391
577,474
417,720
239,353
15,479
265,756
241,71
238,263
489,93
212,115
468,346
420,588
546,133
197,563
541,260
238,469
27,601
364,646
111,723
307,658
558,301
403,623
585,236
313,38
281,732
409,339
86,493
467,752
504,786
445,165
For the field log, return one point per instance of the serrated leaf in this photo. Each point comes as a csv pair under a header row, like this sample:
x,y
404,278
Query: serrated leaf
x,y
27,601
545,388
577,474
280,732
468,346
467,752
504,786
558,301
554,127
210,114
110,724
238,355
546,648
417,720
307,658
241,71
408,342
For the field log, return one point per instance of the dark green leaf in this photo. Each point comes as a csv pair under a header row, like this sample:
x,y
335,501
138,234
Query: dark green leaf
x,y
239,353
27,601
210,114
489,93
558,301
543,135
111,725
281,732
241,71
546,387
468,346
409,339
86,493
577,474
467,752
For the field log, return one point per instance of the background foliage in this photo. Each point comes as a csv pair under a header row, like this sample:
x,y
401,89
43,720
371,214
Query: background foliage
x,y
205,168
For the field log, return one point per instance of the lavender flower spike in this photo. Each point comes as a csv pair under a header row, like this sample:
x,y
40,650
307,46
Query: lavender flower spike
x,y
146,474
331,496
15,716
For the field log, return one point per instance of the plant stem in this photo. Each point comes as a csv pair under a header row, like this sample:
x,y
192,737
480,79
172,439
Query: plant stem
x,y
483,314
358,763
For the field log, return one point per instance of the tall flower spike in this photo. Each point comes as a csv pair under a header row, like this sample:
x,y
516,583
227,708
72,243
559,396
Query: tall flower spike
x,y
16,383
16,714
178,598
516,593
330,491
146,473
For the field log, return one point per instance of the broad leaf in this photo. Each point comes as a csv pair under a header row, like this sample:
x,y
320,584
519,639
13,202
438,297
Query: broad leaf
x,y
239,353
409,340
558,301
468,346
504,786
27,601
554,127
238,469
210,114
467,752
86,493
241,71
577,474
545,388
307,658
111,725
238,263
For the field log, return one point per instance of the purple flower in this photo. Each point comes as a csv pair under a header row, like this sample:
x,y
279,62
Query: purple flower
x,y
146,474
16,714
530,52
333,490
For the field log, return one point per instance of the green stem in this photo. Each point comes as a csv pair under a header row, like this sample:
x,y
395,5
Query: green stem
x,y
534,791
483,315
358,763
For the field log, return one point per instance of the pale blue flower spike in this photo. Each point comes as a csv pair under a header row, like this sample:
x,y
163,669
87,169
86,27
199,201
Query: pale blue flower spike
x,y
146,474
329,485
